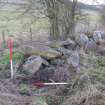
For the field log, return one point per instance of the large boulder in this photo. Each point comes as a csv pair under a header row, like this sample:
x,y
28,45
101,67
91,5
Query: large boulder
x,y
69,44
57,44
33,64
44,74
91,45
82,40
97,36
65,51
103,35
40,50
74,59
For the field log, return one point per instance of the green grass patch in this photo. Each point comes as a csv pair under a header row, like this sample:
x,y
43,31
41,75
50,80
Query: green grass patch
x,y
97,74
5,59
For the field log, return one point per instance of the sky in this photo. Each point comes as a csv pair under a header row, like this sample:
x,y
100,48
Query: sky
x,y
91,2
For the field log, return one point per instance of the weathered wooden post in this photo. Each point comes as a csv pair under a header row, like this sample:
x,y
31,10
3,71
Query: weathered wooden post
x,y
31,35
3,38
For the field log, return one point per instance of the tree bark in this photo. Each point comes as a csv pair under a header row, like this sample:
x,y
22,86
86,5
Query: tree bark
x,y
67,19
52,10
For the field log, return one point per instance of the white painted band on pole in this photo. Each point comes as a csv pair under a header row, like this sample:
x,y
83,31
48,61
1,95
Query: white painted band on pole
x,y
63,83
12,73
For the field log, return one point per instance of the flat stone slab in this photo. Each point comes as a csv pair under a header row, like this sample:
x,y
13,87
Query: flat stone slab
x,y
40,50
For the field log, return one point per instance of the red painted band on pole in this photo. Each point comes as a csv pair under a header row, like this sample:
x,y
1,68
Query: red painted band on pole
x,y
10,47
38,84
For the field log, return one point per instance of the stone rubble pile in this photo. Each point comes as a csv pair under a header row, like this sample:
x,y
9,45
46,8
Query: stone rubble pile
x,y
55,61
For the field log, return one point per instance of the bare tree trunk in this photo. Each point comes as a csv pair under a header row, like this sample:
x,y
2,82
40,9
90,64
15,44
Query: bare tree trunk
x,y
52,10
71,28
67,19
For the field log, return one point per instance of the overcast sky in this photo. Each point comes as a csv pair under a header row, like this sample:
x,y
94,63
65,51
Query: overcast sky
x,y
90,2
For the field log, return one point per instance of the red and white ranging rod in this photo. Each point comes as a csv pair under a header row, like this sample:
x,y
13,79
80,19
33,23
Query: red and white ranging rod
x,y
10,45
41,84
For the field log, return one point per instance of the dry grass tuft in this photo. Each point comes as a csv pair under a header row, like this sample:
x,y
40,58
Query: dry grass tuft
x,y
88,96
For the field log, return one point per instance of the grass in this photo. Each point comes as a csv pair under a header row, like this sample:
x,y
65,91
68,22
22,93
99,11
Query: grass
x,y
5,59
16,25
93,16
5,63
97,74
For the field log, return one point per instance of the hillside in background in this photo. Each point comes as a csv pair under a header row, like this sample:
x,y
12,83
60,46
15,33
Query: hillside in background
x,y
16,15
